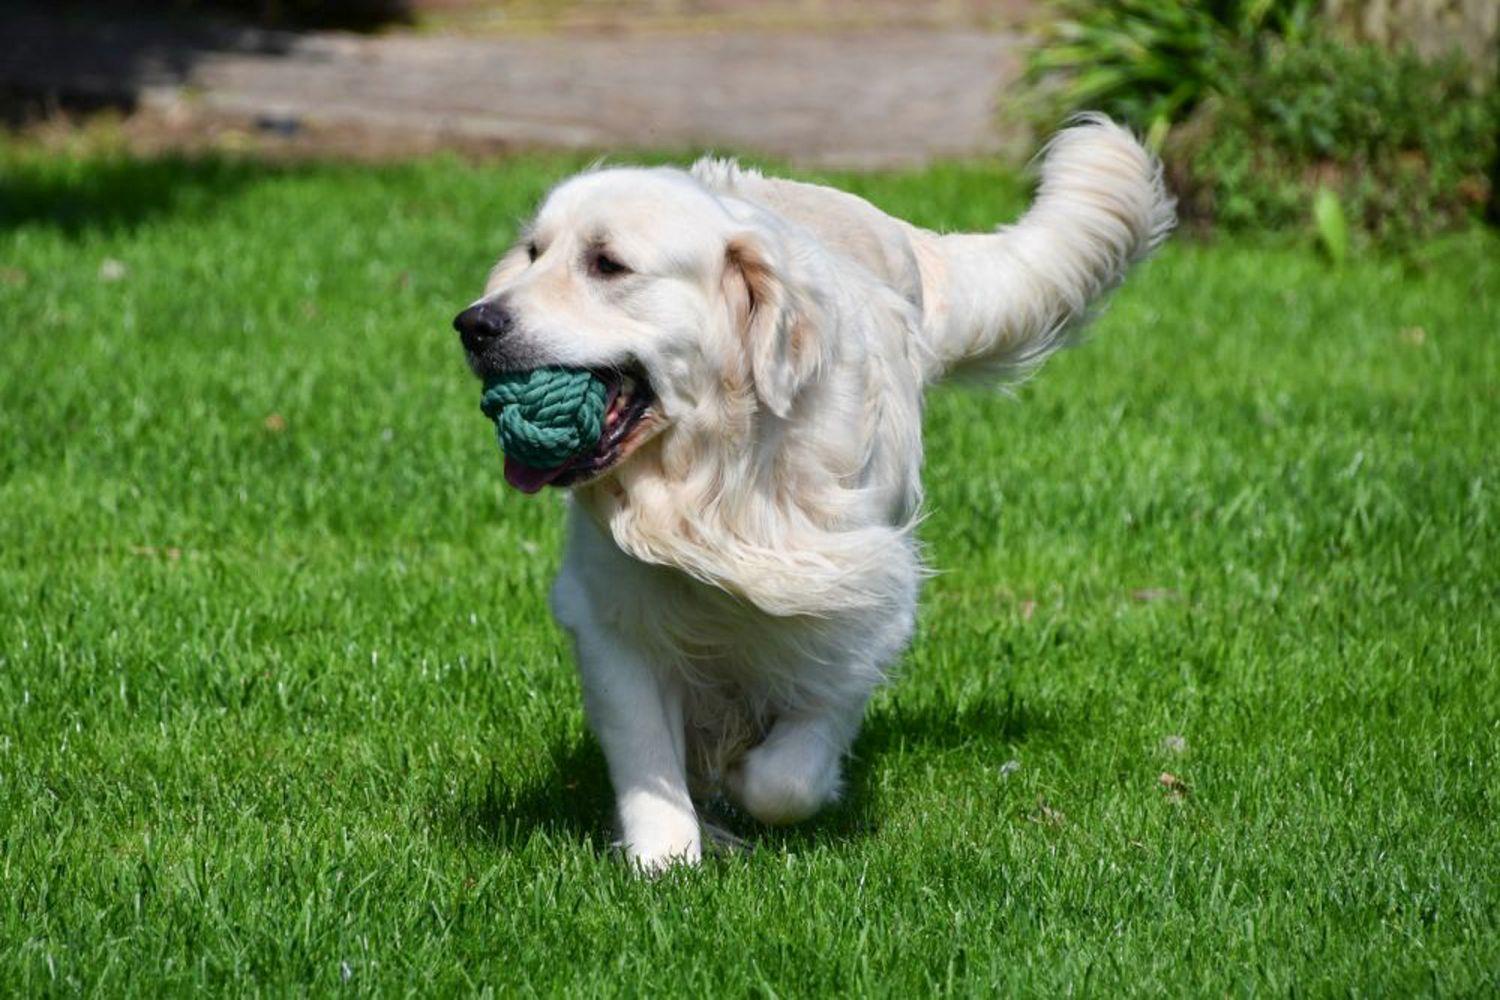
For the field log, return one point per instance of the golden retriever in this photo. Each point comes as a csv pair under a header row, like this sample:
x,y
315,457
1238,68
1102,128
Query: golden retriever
x,y
741,571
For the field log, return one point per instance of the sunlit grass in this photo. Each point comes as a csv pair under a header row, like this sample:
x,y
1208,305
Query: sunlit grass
x,y
281,705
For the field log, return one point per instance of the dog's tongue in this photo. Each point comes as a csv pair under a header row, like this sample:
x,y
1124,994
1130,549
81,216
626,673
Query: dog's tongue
x,y
528,480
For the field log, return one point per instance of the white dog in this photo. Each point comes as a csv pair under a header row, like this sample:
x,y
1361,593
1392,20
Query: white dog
x,y
741,571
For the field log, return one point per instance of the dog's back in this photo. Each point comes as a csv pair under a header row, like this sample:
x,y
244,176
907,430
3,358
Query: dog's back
x,y
996,304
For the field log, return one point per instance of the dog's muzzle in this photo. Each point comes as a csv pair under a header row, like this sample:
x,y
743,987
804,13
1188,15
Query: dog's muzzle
x,y
492,342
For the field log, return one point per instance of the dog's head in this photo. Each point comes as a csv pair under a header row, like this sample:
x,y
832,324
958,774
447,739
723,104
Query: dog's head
x,y
681,301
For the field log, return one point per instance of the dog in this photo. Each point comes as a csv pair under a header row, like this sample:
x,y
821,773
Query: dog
x,y
741,571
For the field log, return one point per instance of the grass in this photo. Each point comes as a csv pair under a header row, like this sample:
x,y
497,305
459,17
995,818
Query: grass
x,y
281,708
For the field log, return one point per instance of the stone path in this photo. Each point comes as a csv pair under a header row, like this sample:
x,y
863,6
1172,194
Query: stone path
x,y
863,98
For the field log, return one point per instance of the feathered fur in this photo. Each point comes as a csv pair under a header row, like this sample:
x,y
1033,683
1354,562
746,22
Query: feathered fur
x,y
739,585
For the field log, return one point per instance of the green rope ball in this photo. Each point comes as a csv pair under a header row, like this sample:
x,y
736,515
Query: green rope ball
x,y
545,416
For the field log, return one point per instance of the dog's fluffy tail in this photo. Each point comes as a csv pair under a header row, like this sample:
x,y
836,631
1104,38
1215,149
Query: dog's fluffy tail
x,y
998,304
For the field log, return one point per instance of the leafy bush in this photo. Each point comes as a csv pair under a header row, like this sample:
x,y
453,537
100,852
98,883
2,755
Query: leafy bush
x,y
1405,144
1262,113
1148,62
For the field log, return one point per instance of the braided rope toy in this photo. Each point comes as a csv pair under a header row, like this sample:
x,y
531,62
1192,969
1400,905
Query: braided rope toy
x,y
546,416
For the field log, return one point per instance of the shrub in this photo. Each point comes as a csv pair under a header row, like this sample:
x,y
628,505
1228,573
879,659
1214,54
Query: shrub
x,y
1405,144
1149,62
1261,111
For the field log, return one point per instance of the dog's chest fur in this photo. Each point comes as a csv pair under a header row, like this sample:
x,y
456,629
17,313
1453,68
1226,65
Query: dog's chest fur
x,y
740,667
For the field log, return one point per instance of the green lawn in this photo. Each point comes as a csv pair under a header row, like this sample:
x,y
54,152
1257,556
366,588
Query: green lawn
x,y
281,706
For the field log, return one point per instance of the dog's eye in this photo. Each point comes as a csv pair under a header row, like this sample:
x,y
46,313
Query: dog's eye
x,y
605,266
532,253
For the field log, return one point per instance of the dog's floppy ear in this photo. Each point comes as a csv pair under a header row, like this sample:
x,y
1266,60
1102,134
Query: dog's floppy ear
x,y
773,320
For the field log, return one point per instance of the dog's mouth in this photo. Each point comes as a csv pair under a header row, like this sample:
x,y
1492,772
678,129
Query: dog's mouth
x,y
631,417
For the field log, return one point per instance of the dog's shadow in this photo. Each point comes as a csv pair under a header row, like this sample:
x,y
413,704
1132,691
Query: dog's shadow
x,y
572,799
895,728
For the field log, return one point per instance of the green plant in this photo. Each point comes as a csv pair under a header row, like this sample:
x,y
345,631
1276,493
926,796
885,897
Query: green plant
x,y
1258,107
1404,144
1331,224
1149,62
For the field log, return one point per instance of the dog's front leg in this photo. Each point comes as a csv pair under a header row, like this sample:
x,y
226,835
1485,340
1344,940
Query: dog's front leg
x,y
797,770
636,711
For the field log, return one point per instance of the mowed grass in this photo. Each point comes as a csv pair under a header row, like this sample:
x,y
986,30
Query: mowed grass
x,y
1205,698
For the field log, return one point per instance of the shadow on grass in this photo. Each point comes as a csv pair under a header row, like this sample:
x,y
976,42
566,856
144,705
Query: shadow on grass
x,y
999,718
573,801
114,194
990,725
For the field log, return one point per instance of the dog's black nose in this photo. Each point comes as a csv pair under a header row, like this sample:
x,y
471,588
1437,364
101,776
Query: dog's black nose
x,y
479,324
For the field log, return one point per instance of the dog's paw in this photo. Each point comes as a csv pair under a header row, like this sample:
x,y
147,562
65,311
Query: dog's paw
x,y
661,857
657,840
777,789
